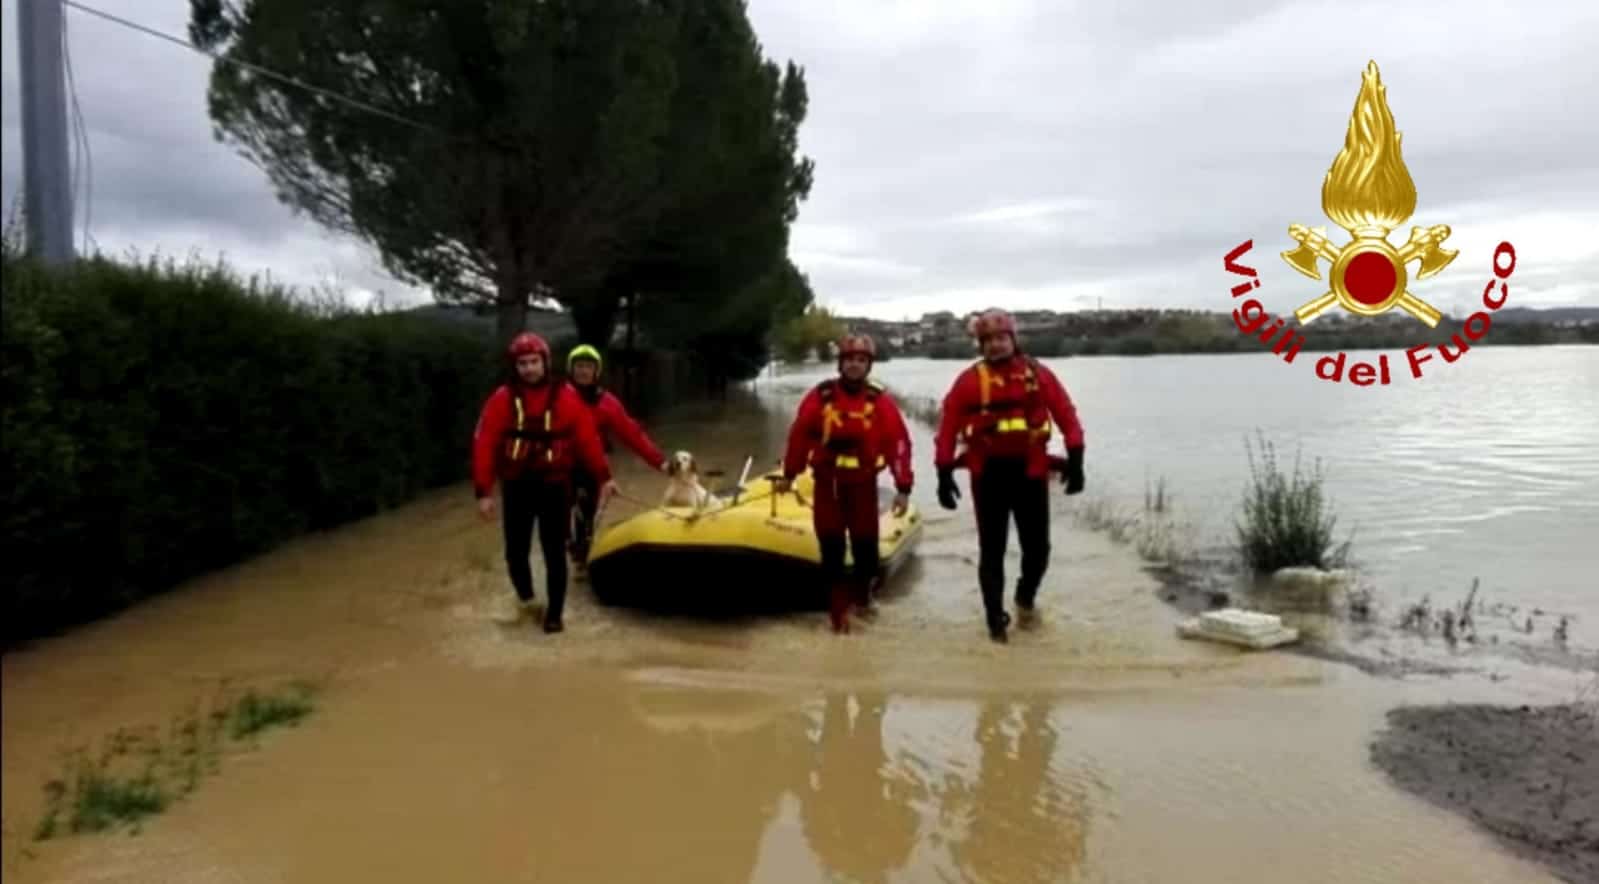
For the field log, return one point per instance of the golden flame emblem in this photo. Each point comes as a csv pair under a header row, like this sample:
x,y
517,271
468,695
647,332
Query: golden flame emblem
x,y
1368,192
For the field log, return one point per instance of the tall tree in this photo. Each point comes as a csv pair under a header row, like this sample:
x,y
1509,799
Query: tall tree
x,y
814,330
526,156
733,178
580,150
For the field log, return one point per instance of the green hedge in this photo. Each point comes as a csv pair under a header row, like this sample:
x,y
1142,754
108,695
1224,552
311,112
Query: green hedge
x,y
162,421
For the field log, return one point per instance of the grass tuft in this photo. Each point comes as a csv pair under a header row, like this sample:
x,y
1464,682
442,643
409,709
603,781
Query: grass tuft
x,y
138,774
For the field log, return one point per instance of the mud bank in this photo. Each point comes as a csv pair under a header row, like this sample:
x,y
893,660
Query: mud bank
x,y
1528,774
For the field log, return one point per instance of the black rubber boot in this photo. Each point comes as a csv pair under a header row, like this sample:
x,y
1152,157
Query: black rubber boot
x,y
553,624
997,626
862,595
1026,600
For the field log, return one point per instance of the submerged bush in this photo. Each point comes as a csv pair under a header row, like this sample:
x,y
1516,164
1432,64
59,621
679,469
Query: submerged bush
x,y
138,774
1285,519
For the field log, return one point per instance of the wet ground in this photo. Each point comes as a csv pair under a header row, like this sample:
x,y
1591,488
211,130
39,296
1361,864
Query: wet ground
x,y
1097,747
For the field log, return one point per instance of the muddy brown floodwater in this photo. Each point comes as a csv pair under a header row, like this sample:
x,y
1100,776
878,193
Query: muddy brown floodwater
x,y
448,747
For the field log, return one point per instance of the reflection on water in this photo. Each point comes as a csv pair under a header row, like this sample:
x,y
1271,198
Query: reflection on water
x,y
1022,825
858,809
679,784
919,808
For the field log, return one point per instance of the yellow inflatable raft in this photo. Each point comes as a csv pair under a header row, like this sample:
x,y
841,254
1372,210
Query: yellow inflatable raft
x,y
757,551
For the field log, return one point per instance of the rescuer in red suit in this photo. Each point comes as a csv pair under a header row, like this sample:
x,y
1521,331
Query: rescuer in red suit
x,y
533,431
1001,408
611,420
847,429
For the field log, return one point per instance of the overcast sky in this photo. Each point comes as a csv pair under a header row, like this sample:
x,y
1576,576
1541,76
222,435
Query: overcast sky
x,y
1033,155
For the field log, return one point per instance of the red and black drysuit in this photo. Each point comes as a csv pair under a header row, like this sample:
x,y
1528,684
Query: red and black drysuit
x,y
845,433
610,420
531,438
1002,412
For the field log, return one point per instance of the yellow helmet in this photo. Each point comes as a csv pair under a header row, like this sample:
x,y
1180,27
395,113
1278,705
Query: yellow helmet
x,y
584,351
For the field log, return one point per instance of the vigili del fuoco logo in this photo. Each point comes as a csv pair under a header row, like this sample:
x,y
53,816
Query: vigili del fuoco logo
x,y
1368,192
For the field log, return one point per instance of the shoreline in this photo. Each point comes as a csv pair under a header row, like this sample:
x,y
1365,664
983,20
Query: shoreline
x,y
1323,348
778,369
1235,351
1192,589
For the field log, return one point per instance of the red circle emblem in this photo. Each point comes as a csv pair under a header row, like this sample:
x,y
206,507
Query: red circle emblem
x,y
1370,278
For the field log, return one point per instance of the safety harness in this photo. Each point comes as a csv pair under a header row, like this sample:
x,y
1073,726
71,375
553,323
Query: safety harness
x,y
525,437
843,450
1012,412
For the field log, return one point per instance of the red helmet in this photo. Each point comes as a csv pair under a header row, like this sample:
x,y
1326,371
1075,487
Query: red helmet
x,y
526,343
992,322
862,344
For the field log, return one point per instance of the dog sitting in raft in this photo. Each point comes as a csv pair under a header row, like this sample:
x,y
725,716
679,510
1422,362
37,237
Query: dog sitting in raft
x,y
683,487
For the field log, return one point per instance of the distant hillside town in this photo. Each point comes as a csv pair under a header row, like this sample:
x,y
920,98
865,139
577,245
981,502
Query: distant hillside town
x,y
1047,333
943,335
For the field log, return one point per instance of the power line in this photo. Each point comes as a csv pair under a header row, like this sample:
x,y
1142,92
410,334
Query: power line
x,y
80,132
265,72
72,160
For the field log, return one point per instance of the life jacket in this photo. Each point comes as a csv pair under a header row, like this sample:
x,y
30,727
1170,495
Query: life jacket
x,y
846,436
1013,421
530,441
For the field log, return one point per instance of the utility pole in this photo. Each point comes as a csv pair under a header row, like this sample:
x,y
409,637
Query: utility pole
x,y
47,196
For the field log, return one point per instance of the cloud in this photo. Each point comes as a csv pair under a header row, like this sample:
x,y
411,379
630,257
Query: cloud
x,y
1027,211
1033,154
1181,134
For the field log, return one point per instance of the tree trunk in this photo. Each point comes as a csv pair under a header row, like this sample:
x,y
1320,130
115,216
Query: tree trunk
x,y
595,317
630,372
632,321
510,308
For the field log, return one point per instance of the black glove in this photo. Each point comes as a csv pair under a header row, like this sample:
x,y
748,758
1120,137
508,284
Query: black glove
x,y
1074,470
947,492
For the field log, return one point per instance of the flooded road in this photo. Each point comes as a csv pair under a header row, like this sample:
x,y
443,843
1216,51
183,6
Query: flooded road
x,y
448,747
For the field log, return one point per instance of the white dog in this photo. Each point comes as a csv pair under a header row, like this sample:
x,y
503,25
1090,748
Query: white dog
x,y
683,488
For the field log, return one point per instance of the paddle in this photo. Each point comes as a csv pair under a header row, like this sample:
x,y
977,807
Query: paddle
x,y
738,490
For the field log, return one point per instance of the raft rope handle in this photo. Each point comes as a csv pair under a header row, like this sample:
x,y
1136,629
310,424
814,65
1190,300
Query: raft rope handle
x,y
650,506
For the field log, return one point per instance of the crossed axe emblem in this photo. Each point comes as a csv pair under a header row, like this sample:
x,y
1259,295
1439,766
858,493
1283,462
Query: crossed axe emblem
x,y
1368,274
